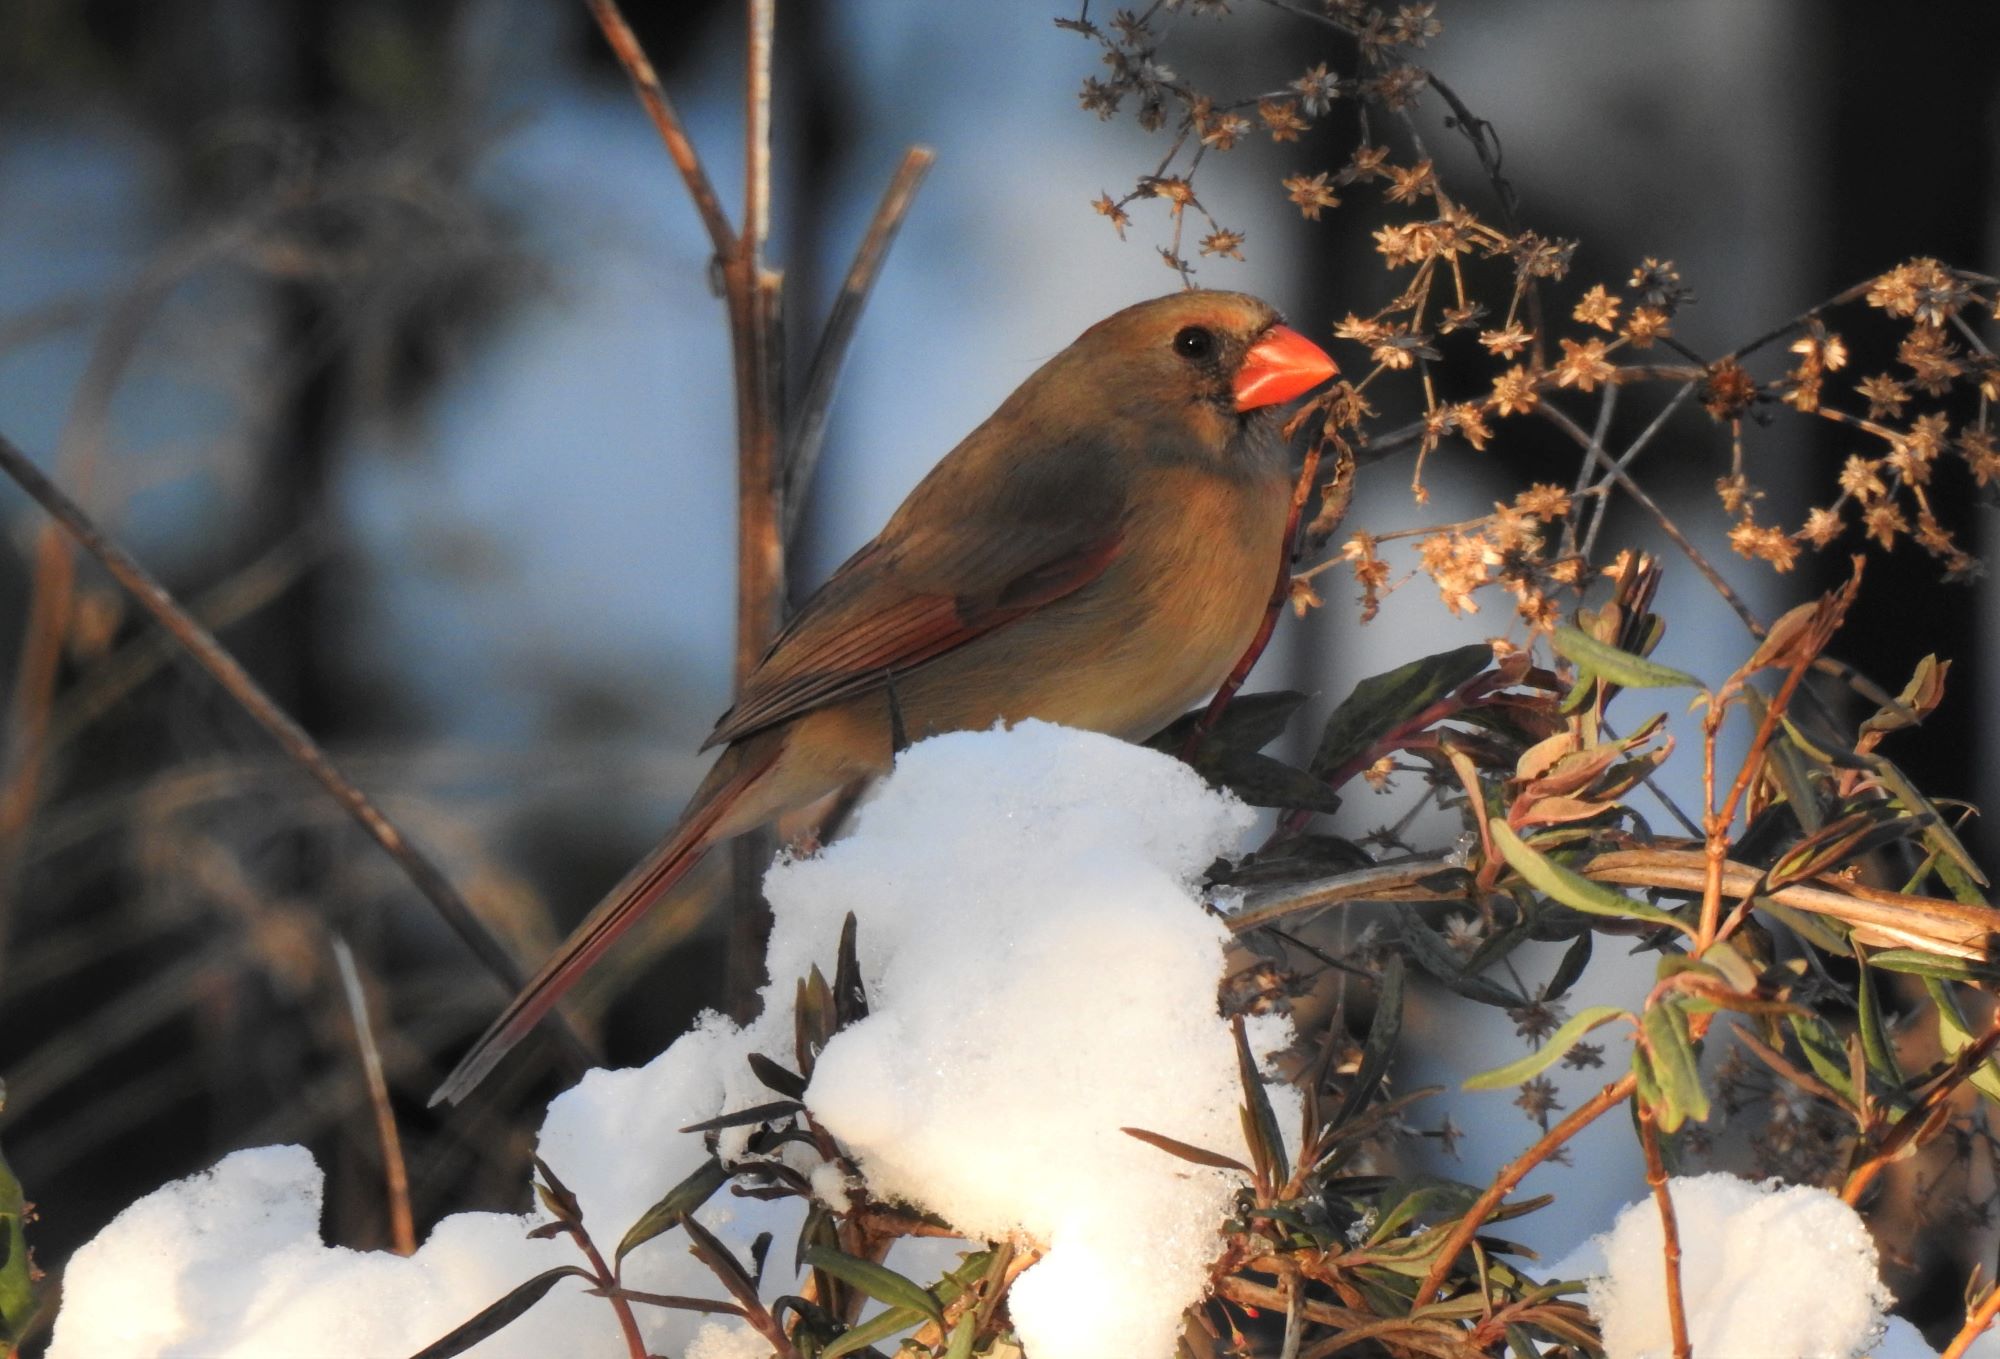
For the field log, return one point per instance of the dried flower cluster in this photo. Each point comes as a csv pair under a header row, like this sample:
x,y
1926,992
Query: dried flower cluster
x,y
1469,285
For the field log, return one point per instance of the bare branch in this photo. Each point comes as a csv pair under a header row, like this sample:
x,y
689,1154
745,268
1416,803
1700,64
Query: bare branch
x,y
291,738
808,427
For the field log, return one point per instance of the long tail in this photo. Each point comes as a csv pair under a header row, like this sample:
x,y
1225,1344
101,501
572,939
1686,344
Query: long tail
x,y
655,875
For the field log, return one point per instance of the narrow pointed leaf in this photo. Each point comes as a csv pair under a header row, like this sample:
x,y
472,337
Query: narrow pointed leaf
x,y
1620,667
693,1191
1675,1067
497,1316
1381,1045
1187,1151
877,1281
1954,1033
722,1262
1258,1114
776,1077
850,997
1381,703
1875,1045
1573,890
1574,960
1548,1054
1428,950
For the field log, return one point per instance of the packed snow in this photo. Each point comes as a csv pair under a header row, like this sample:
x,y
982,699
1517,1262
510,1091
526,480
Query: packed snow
x,y
1768,1271
1040,973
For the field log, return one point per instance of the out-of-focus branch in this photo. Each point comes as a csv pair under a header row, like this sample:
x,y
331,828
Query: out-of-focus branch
x,y
808,426
646,84
395,1178
291,738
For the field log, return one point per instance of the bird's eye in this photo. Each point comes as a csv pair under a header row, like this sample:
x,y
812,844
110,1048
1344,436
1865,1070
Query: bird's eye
x,y
1194,343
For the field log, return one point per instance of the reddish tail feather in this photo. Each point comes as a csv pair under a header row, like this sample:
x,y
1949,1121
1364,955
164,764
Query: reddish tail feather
x,y
651,879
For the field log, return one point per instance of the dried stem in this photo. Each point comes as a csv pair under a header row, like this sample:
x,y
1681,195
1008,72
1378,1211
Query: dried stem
x,y
1670,1233
395,1178
808,426
1503,1184
1975,1326
646,84
1555,416
1912,1125
291,738
1383,882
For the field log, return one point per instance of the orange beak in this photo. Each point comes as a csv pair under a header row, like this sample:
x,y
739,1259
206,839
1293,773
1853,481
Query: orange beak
x,y
1281,365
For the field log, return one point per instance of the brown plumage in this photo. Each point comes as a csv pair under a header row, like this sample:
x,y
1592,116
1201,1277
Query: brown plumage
x,y
1098,553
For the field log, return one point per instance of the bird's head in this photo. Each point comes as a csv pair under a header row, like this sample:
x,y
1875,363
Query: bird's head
x,y
1195,370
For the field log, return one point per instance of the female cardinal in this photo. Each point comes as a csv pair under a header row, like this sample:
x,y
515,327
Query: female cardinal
x,y
1098,553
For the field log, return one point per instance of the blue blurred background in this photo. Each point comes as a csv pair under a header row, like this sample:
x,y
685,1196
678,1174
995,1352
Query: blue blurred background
x,y
448,460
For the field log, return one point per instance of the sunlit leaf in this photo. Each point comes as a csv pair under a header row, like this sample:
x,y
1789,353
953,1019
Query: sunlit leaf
x,y
877,1281
1573,890
1548,1054
1620,667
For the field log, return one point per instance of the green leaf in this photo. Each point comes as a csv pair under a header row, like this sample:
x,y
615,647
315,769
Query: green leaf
x,y
1938,834
699,1186
1260,1122
1548,1054
1875,1044
1187,1151
1918,963
1573,889
960,1344
1263,781
1574,960
877,1281
1250,722
1824,1054
1954,1033
1381,703
865,1333
1428,950
17,1270
496,1317
1675,1066
1381,1045
1620,667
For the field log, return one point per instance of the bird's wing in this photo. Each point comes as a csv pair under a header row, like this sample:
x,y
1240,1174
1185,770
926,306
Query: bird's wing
x,y
900,602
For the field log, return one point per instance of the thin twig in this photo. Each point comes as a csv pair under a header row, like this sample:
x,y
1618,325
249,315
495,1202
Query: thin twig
x,y
1975,1326
244,593
808,426
1610,1097
1921,1116
1625,461
646,83
395,1177
1670,1234
1722,587
291,738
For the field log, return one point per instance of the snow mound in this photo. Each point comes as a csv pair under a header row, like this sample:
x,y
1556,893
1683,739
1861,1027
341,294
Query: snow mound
x,y
1768,1271
1040,973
